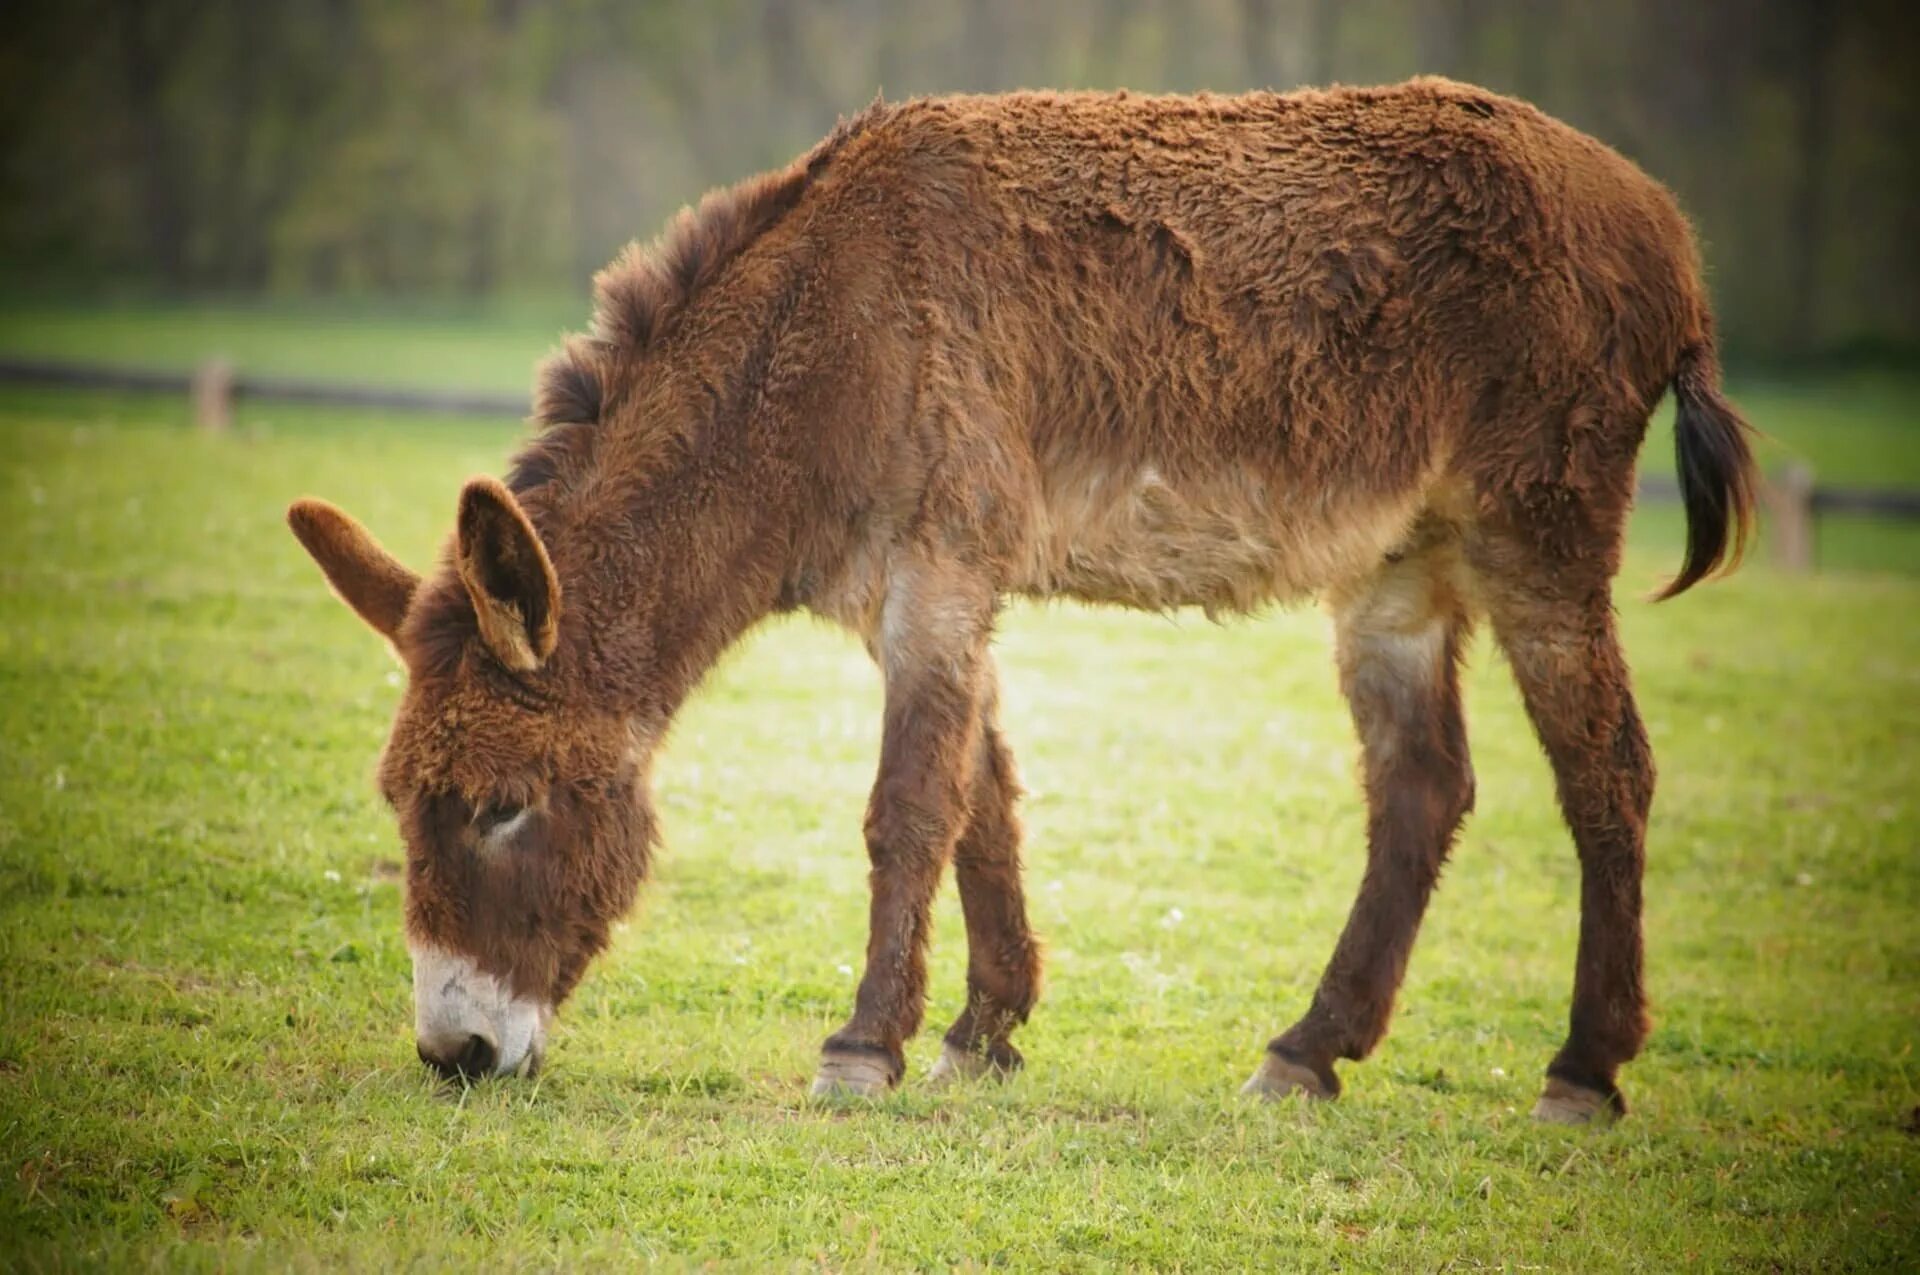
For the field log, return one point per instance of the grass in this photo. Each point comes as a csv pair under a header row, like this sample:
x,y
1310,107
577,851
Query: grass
x,y
205,1055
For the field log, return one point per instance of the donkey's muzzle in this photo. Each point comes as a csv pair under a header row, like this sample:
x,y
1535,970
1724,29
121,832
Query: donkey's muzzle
x,y
459,1060
468,1024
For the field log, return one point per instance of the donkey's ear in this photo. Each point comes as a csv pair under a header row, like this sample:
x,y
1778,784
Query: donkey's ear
x,y
368,578
516,595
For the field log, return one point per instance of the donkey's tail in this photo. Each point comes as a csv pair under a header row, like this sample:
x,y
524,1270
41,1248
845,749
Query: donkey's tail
x,y
1717,476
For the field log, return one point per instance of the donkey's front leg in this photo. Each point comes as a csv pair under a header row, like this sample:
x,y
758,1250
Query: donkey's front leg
x,y
932,646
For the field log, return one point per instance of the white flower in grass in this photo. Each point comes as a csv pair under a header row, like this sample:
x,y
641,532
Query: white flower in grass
x,y
846,970
1173,917
332,876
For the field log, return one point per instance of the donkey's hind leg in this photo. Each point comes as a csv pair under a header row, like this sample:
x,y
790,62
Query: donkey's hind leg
x,y
1555,622
1399,638
1003,957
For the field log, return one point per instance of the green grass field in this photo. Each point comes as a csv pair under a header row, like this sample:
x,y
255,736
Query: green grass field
x,y
205,1019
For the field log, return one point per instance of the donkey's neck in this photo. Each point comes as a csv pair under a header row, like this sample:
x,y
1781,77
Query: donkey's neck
x,y
662,570
688,521
720,472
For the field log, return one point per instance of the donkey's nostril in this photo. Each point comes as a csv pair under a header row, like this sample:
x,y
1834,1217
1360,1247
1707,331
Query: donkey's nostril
x,y
444,1069
477,1059
474,1060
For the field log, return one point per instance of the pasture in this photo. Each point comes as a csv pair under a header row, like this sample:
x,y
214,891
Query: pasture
x,y
205,1019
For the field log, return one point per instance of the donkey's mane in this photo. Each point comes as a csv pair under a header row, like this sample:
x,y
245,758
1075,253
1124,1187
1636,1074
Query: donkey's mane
x,y
637,297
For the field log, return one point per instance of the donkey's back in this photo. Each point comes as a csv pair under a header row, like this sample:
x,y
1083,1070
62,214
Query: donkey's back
x,y
1237,349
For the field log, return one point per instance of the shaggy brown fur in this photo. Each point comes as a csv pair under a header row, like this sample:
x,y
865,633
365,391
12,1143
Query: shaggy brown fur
x,y
1393,346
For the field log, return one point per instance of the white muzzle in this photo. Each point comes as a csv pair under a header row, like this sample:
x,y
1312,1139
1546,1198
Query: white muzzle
x,y
467,1023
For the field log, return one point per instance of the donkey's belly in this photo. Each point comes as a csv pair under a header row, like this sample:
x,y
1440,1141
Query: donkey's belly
x,y
1225,541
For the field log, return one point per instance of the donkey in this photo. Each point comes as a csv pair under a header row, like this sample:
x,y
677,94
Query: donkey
x,y
1395,347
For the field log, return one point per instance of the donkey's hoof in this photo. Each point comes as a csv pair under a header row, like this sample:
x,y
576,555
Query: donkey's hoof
x,y
957,1064
852,1076
1277,1077
1564,1102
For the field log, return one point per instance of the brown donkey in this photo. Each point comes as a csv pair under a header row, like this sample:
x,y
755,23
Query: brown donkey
x,y
1396,347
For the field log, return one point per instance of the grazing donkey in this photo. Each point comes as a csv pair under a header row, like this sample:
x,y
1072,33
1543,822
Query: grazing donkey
x,y
1396,347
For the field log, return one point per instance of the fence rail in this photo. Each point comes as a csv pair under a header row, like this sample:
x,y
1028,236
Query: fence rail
x,y
214,387
1794,501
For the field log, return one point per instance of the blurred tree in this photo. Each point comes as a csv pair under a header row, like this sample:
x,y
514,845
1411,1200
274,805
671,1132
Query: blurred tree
x,y
484,146
152,41
1449,36
1322,38
1257,20
1815,26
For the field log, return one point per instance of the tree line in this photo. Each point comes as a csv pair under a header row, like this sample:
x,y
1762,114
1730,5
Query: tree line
x,y
486,147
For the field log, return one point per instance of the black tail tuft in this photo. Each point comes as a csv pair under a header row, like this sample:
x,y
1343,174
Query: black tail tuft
x,y
1717,477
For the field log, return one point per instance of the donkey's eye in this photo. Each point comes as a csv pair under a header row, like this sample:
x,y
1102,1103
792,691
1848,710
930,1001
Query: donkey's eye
x,y
497,816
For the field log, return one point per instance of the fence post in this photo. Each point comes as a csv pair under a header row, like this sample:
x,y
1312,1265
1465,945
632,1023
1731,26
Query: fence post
x,y
213,396
1791,497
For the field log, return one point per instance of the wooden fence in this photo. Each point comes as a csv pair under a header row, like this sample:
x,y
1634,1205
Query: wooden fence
x,y
214,387
1794,501
1793,504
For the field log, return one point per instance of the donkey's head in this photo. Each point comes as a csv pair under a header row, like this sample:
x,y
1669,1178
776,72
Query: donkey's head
x,y
520,792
